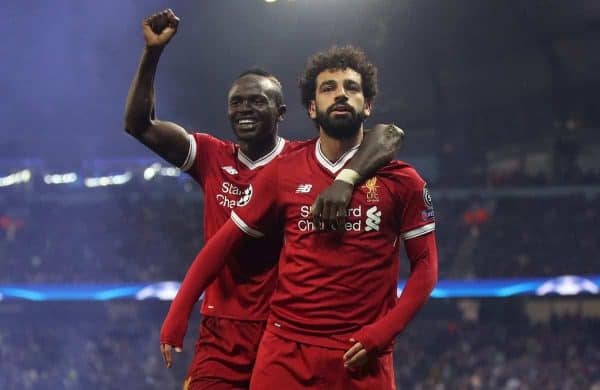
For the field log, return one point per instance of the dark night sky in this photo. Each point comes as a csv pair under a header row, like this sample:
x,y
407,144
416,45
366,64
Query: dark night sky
x,y
67,65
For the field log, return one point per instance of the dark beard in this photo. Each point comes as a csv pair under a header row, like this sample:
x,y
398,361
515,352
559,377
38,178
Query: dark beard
x,y
342,127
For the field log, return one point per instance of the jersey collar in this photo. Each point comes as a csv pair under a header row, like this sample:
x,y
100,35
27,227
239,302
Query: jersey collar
x,y
264,160
339,164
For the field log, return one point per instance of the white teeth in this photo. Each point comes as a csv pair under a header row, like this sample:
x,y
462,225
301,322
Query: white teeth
x,y
246,122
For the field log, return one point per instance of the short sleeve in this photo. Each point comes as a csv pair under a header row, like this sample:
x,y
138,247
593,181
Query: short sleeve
x,y
202,155
257,209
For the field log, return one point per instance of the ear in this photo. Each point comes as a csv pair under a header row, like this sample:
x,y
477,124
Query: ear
x,y
312,110
281,110
367,109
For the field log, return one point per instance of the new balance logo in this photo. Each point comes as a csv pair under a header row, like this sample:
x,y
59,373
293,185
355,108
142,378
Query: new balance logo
x,y
230,170
373,219
303,188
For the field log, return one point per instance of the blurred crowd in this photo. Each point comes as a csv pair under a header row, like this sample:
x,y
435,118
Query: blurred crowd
x,y
115,346
154,236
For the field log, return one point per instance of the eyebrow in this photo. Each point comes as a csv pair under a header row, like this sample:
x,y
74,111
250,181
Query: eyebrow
x,y
327,82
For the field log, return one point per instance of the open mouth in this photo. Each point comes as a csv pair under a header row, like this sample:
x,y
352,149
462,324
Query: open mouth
x,y
246,123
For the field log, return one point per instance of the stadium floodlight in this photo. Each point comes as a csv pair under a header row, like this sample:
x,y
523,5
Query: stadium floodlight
x,y
16,178
151,171
60,178
104,181
170,171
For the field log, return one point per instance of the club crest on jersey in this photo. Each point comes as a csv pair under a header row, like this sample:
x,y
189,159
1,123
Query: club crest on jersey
x,y
427,196
371,187
231,170
246,196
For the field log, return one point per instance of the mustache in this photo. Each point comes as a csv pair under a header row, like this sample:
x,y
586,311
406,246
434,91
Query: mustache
x,y
339,106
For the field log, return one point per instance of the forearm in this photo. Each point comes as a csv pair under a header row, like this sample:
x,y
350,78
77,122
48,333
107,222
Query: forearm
x,y
206,266
422,252
139,108
378,148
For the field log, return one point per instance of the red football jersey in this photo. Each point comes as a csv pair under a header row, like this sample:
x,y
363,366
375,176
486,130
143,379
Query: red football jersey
x,y
331,284
243,288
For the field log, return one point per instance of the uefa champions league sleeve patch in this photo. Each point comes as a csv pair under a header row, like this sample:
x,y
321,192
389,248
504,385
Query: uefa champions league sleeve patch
x,y
427,196
246,196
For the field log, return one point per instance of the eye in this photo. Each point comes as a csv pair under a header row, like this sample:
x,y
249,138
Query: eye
x,y
353,87
327,87
259,101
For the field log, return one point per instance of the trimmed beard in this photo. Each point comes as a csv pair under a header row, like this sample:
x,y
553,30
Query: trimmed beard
x,y
340,128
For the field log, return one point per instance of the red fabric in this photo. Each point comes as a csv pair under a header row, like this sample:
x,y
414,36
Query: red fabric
x,y
422,253
242,289
332,284
225,354
203,270
285,364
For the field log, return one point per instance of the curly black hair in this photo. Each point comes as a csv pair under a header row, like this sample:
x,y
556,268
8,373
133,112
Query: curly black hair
x,y
268,75
338,58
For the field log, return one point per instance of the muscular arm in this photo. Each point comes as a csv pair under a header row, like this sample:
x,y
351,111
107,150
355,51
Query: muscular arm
x,y
378,148
167,139
422,252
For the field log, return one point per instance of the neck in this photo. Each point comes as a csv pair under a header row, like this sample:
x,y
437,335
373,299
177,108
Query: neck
x,y
334,148
258,148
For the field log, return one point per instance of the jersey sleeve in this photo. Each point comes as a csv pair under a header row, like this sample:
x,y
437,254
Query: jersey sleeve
x,y
257,210
202,153
416,213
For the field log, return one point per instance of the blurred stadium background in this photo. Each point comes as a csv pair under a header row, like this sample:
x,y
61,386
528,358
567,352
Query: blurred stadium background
x,y
500,103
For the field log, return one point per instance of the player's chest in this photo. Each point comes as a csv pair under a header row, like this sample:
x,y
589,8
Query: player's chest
x,y
372,209
227,186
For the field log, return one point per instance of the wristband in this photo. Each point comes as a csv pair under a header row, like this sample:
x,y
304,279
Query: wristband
x,y
349,176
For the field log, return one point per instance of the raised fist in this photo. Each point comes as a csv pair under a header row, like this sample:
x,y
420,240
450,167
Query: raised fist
x,y
160,28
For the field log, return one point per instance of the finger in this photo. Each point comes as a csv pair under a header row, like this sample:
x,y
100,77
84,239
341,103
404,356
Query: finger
x,y
167,356
341,215
358,360
326,216
173,19
316,210
177,349
352,351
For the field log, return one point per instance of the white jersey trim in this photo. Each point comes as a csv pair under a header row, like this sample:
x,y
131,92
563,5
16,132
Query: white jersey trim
x,y
339,164
418,231
264,160
191,156
244,227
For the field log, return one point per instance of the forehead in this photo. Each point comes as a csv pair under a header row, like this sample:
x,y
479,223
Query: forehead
x,y
339,75
251,85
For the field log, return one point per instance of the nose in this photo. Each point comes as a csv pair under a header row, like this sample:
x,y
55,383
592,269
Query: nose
x,y
341,96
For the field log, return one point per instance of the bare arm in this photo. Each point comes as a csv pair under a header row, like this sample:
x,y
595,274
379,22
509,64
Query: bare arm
x,y
167,139
378,148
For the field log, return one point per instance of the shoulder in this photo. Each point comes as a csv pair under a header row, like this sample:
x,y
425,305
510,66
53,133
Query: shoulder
x,y
295,150
294,146
401,173
207,139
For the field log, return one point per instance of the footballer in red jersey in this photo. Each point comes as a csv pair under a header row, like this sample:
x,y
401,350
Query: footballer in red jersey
x,y
334,312
235,306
